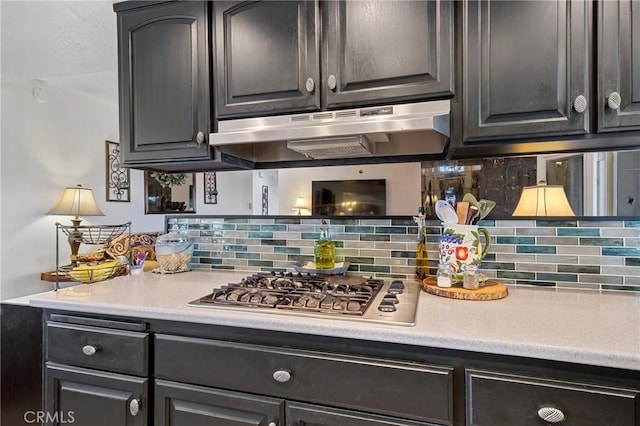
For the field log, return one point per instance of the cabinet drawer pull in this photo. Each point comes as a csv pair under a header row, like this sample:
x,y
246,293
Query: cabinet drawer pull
x,y
551,415
580,104
90,350
614,100
332,82
134,407
310,85
200,138
282,376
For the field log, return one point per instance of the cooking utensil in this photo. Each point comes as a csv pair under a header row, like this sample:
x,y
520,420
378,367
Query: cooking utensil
x,y
462,208
473,203
445,212
471,214
485,208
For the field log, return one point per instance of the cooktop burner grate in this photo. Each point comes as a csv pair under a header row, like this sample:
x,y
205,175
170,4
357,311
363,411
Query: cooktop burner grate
x,y
337,296
298,292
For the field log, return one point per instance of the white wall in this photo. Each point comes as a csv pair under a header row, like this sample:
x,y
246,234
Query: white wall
x,y
234,194
46,147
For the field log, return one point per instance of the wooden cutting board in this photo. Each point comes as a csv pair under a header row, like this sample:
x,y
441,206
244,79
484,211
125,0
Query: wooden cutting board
x,y
492,290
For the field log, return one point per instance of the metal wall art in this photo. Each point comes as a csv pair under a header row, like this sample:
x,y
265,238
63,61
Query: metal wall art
x,y
265,200
210,188
117,183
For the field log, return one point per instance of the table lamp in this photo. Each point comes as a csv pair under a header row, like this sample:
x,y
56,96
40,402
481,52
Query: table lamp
x,y
76,201
543,200
299,206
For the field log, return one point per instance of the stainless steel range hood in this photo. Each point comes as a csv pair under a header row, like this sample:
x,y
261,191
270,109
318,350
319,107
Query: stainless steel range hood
x,y
384,131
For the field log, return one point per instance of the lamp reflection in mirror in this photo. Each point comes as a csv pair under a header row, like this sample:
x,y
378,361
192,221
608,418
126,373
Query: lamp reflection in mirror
x,y
300,206
76,201
543,200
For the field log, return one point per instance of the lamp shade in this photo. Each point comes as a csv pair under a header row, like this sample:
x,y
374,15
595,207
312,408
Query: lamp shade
x,y
299,205
543,200
77,201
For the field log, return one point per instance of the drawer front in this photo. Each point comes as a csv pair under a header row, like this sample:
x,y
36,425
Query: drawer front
x,y
100,348
407,390
495,399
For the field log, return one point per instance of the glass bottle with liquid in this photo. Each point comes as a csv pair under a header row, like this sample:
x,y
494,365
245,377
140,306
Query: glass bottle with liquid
x,y
325,249
422,264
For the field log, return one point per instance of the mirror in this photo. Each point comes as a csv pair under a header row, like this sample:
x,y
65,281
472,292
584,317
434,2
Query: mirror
x,y
167,193
597,184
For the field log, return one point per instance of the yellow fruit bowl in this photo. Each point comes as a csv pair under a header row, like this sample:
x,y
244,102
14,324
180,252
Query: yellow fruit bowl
x,y
94,272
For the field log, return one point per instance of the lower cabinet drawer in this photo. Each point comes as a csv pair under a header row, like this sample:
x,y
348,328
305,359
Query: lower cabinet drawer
x,y
496,399
399,389
100,348
307,414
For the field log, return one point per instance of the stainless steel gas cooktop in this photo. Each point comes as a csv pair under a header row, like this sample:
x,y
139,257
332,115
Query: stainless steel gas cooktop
x,y
331,296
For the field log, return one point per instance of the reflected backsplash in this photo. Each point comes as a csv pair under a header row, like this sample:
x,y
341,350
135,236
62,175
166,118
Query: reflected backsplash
x,y
596,184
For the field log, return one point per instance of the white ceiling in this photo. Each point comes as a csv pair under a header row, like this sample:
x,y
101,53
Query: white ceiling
x,y
70,44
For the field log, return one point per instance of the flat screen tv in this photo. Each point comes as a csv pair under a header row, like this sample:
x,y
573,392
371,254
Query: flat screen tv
x,y
364,197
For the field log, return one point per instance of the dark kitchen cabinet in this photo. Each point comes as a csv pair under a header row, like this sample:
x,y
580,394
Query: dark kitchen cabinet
x,y
278,57
89,397
179,404
307,414
200,374
96,371
618,66
266,57
385,389
377,52
525,69
499,399
164,78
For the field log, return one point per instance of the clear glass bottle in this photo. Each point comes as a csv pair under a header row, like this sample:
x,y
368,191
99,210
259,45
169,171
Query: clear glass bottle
x,y
445,275
325,249
470,277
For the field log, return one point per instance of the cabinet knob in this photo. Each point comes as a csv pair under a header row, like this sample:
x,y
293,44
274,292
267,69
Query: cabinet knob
x,y
134,407
614,100
273,424
200,138
310,85
332,82
282,376
551,415
89,350
580,104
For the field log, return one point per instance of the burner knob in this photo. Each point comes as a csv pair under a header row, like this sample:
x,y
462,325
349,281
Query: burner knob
x,y
282,376
396,287
386,306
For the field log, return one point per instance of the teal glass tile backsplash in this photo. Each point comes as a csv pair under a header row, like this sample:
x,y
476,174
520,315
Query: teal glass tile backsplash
x,y
578,254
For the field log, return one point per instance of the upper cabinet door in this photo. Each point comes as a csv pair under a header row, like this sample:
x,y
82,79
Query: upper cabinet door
x,y
525,69
164,82
377,52
618,65
266,57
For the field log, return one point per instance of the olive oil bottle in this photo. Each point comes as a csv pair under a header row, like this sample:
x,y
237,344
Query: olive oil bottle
x,y
325,249
422,260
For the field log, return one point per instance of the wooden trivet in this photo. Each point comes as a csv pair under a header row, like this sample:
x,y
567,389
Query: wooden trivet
x,y
492,290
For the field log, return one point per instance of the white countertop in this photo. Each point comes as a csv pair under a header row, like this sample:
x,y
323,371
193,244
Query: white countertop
x,y
585,327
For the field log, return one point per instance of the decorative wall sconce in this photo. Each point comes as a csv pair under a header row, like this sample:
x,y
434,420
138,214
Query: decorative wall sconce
x,y
117,176
210,188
